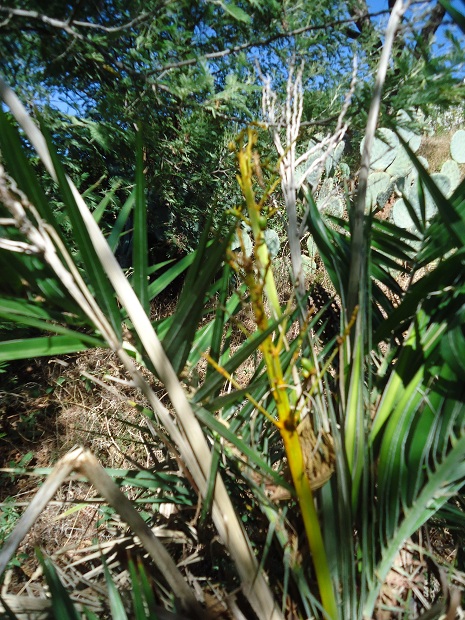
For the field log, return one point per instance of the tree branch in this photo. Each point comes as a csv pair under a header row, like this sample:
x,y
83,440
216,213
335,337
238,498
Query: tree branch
x,y
435,20
261,43
360,14
67,25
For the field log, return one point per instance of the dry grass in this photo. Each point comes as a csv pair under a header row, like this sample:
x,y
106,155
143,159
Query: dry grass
x,y
47,407
436,149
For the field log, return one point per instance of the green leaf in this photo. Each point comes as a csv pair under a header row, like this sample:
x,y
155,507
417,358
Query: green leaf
x,y
44,346
452,348
207,501
214,381
24,313
147,591
121,220
236,12
21,170
94,270
392,472
99,210
443,276
391,244
438,240
62,604
253,457
139,238
452,218
459,18
24,272
177,342
354,417
116,604
89,615
159,285
443,481
219,323
136,593
203,337
332,247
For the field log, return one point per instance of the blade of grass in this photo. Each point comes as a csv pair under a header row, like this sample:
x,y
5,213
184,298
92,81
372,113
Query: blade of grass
x,y
23,316
121,220
139,237
44,346
207,503
99,210
159,285
147,590
94,270
62,604
116,603
219,324
178,341
457,16
136,593
443,482
354,417
214,382
21,169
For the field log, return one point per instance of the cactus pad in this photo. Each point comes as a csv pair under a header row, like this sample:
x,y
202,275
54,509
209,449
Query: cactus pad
x,y
377,184
451,170
272,241
384,150
457,146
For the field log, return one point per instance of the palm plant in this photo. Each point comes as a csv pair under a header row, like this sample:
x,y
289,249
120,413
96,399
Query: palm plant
x,y
371,418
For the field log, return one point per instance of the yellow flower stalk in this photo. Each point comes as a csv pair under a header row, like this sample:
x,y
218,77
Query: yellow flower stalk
x,y
260,279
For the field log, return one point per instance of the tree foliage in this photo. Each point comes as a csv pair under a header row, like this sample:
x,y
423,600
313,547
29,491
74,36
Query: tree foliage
x,y
187,75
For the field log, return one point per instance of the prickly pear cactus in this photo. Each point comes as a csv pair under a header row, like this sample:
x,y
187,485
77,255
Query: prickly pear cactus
x,y
344,170
272,242
328,200
444,185
401,165
311,247
325,190
412,139
451,170
243,242
313,178
377,183
400,214
390,165
384,150
457,146
334,159
308,265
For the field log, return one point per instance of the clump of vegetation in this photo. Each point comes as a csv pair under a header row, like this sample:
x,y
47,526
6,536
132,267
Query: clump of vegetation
x,y
276,441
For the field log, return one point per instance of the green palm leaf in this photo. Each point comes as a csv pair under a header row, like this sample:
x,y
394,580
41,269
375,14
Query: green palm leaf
x,y
139,239
102,289
178,340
